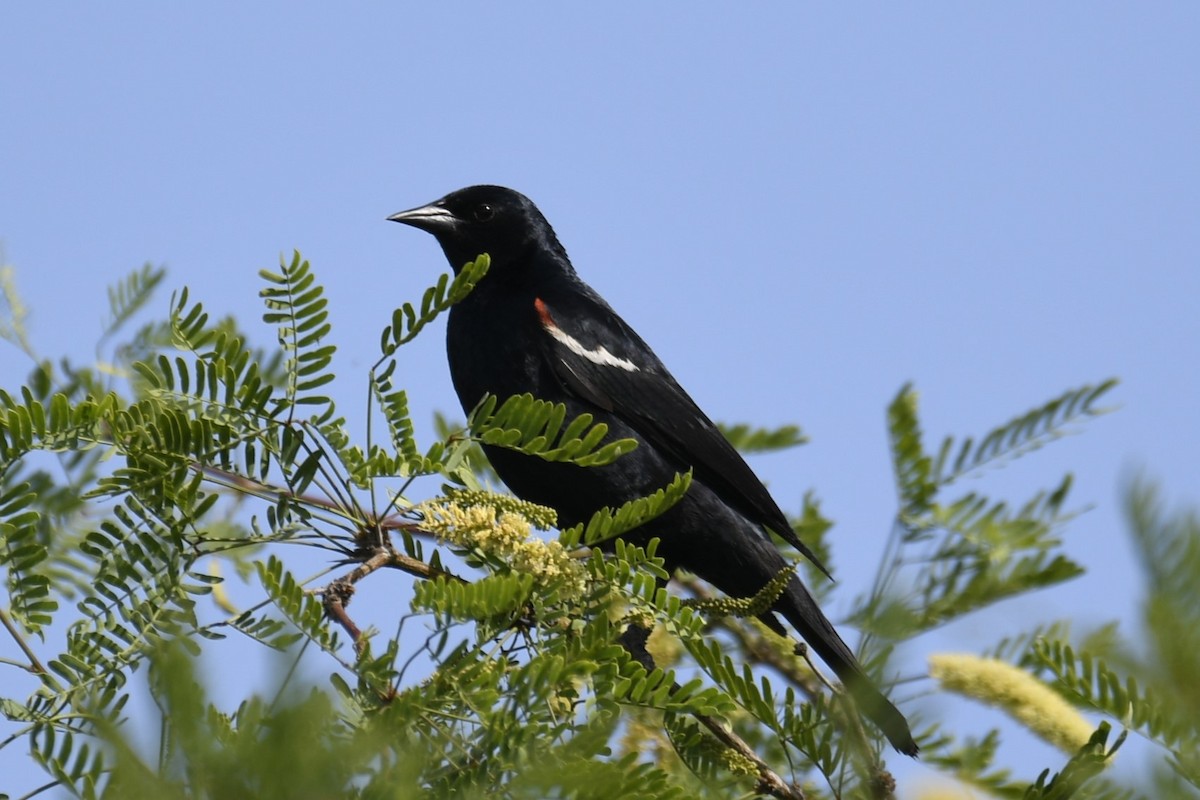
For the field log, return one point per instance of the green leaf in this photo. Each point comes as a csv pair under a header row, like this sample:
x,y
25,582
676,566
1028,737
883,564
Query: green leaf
x,y
1089,762
532,426
1020,435
749,439
130,295
407,322
296,305
607,524
912,466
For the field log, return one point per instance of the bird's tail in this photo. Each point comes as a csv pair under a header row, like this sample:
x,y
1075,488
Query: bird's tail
x,y
798,607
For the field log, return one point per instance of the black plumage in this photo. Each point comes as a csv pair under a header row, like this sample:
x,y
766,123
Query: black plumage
x,y
531,325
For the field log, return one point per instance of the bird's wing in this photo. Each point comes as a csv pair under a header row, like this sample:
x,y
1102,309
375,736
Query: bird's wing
x,y
599,358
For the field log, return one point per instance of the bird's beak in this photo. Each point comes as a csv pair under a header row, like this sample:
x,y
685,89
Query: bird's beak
x,y
433,218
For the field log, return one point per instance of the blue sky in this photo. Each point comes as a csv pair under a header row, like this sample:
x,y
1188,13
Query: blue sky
x,y
801,207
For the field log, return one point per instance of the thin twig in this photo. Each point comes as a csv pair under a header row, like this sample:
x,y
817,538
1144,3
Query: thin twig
x,y
267,491
337,593
769,781
761,649
35,666
633,639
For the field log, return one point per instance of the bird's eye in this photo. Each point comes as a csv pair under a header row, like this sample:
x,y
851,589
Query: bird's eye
x,y
484,212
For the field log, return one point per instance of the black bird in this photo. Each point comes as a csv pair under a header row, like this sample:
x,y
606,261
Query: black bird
x,y
531,325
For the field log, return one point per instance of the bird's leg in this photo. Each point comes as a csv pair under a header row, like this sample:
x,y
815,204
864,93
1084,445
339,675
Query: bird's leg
x,y
634,639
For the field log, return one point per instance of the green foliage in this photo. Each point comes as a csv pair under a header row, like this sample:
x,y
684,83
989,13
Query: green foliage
x,y
519,667
302,609
972,763
1153,693
811,526
535,427
607,524
973,551
748,439
1029,431
31,603
296,303
495,596
407,322
1091,759
919,475
129,296
1090,680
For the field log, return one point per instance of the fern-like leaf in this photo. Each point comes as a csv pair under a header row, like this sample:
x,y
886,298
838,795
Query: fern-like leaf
x,y
912,466
407,321
1031,430
303,609
496,596
1088,680
296,304
748,439
535,427
130,295
607,524
1091,759
21,555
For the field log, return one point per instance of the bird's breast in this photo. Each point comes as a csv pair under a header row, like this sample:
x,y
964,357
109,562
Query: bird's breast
x,y
490,351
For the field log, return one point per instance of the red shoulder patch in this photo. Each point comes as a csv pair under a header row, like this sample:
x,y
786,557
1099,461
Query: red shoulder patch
x,y
543,313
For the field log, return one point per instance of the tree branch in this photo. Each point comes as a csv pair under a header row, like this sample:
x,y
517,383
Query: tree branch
x,y
337,593
633,639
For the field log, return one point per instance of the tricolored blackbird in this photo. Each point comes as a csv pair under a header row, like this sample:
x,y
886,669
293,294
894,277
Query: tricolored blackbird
x,y
531,325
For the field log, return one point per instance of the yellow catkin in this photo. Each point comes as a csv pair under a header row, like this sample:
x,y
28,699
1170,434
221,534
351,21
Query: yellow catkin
x,y
1022,696
507,536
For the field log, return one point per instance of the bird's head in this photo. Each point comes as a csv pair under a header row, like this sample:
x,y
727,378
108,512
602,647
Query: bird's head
x,y
501,222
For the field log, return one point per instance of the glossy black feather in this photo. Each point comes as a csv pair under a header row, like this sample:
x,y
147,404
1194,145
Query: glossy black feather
x,y
531,325
655,405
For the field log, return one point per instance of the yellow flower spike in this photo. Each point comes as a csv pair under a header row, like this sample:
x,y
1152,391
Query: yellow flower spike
x,y
1022,696
504,534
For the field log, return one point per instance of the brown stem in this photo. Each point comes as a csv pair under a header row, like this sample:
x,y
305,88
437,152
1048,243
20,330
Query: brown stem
x,y
35,666
769,781
633,639
337,593
336,596
759,647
